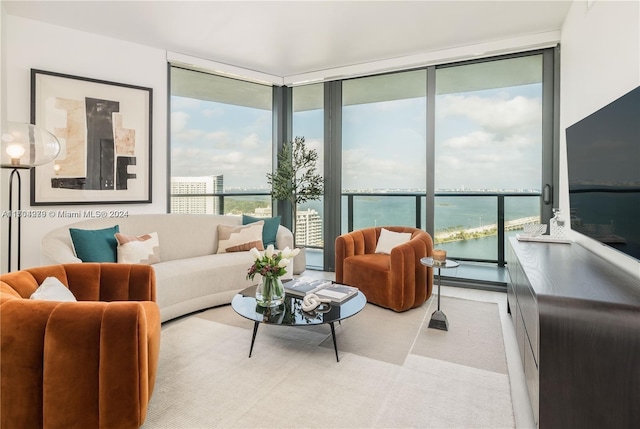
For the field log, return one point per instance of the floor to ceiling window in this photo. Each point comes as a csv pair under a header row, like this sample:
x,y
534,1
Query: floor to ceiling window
x,y
221,149
384,150
485,126
488,147
308,122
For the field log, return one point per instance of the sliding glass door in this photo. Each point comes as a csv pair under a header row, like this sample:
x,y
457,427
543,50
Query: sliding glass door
x,y
488,153
384,150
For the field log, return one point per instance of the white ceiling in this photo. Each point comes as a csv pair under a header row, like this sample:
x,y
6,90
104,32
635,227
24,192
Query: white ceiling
x,y
285,38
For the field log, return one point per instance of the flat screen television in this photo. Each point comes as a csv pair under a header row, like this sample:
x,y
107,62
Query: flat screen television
x,y
603,157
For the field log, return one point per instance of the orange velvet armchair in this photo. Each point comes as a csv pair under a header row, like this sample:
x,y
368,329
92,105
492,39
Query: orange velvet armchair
x,y
85,364
398,280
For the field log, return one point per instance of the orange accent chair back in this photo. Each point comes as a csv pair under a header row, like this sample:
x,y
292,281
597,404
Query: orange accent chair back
x,y
398,280
85,364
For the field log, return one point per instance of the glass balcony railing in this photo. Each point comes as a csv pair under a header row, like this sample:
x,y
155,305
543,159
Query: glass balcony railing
x,y
470,226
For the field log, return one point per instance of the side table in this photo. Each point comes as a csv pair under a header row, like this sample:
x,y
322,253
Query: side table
x,y
438,318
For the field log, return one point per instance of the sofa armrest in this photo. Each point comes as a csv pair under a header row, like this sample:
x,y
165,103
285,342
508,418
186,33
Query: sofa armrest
x,y
284,238
57,248
76,364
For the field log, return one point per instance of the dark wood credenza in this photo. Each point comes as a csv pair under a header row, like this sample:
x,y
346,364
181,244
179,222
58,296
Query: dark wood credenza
x,y
577,323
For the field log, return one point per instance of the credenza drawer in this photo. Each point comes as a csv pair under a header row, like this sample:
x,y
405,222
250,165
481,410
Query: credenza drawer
x,y
529,310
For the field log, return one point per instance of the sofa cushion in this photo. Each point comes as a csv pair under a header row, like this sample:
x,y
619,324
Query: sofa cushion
x,y
240,238
269,230
52,289
141,249
95,245
389,239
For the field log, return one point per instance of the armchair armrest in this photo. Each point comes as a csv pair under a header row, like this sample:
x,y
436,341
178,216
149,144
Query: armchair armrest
x,y
103,281
84,364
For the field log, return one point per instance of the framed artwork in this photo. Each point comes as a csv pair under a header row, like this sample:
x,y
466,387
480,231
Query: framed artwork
x,y
104,129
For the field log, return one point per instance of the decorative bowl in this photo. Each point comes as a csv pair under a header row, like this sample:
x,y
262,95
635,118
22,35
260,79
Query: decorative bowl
x,y
535,229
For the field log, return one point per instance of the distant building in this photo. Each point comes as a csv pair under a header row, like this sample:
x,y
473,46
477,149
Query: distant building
x,y
199,204
309,228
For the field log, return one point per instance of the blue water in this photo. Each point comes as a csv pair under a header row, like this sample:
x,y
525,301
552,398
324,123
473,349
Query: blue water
x,y
450,212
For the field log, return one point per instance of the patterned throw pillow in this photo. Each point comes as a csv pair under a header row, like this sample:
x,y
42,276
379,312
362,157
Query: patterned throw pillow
x,y
269,229
240,238
143,249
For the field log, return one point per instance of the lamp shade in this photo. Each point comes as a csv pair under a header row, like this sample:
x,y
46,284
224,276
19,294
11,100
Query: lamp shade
x,y
26,145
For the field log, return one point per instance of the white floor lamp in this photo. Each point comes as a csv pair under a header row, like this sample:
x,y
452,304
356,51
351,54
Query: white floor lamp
x,y
24,146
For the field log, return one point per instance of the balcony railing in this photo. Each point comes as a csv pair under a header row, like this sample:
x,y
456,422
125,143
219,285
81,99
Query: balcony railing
x,y
478,235
473,229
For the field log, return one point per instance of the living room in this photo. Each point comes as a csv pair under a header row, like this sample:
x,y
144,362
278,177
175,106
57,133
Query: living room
x,y
599,62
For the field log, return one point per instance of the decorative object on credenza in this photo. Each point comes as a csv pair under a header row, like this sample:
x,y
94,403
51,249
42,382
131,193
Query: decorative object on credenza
x,y
271,266
534,229
557,224
24,146
105,132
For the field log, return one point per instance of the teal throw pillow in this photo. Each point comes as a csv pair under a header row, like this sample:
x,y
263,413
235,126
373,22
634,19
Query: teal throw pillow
x,y
95,245
269,229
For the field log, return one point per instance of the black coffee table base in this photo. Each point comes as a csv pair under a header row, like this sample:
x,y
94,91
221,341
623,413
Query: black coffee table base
x,y
333,335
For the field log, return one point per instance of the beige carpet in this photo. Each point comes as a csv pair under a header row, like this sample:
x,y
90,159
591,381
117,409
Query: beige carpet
x,y
394,372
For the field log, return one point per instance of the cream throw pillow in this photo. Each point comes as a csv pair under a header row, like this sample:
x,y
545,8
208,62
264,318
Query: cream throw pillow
x,y
389,239
240,238
143,249
52,289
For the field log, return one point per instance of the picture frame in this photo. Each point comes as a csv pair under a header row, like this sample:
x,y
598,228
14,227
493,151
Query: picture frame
x,y
105,133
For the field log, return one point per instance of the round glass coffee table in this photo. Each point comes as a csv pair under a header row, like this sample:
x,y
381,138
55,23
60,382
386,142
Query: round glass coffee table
x,y
290,313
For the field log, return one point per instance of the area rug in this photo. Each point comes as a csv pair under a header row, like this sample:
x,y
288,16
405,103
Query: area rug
x,y
394,372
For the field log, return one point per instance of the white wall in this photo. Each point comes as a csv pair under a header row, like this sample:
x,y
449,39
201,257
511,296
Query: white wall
x,y
33,44
600,61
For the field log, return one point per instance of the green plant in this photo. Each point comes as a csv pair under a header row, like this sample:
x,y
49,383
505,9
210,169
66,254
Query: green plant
x,y
295,178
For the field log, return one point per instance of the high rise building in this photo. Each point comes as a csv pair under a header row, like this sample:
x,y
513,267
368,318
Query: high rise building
x,y
202,187
308,228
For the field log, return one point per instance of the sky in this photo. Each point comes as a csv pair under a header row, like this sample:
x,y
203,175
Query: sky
x,y
487,139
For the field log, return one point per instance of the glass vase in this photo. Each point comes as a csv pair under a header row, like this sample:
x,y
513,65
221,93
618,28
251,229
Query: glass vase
x,y
270,292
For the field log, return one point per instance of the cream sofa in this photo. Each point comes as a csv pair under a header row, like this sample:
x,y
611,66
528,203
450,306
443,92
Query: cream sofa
x,y
190,275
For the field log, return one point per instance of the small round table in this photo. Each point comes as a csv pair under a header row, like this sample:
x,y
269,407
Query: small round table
x,y
438,318
290,313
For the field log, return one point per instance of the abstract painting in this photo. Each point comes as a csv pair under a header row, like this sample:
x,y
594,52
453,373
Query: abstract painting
x,y
104,129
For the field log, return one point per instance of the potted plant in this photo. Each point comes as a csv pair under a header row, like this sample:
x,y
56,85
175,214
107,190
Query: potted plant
x,y
295,179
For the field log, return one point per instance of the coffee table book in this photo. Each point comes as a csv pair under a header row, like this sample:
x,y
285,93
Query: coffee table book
x,y
302,286
337,293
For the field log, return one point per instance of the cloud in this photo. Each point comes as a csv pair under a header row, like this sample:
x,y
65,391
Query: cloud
x,y
474,140
361,169
498,114
179,121
213,112
252,141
